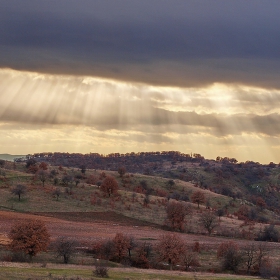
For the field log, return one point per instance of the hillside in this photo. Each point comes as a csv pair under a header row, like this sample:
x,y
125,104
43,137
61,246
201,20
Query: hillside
x,y
10,157
244,180
74,203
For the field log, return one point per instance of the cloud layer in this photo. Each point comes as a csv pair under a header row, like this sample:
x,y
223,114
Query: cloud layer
x,y
105,76
187,43
85,112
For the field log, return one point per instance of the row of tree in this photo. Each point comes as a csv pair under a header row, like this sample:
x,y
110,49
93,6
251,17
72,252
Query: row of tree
x,y
32,237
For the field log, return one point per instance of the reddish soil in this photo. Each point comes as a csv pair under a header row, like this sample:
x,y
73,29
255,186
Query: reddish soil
x,y
103,226
109,216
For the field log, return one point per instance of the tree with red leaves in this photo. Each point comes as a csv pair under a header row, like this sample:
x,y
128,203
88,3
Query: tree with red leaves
x,y
170,249
208,220
176,213
42,175
29,237
43,165
143,252
260,203
198,197
121,246
19,190
121,171
109,185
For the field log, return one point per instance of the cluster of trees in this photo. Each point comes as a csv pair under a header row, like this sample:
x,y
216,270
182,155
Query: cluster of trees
x,y
170,250
31,237
177,211
108,184
253,257
224,172
133,162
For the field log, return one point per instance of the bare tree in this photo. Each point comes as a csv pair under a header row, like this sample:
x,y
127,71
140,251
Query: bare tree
x,y
42,175
208,220
78,178
170,183
254,254
190,259
66,179
83,169
19,190
65,247
250,256
57,193
220,212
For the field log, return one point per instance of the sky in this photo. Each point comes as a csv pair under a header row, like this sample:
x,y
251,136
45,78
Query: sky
x,y
104,76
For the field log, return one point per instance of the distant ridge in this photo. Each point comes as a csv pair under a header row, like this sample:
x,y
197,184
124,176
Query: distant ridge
x,y
10,157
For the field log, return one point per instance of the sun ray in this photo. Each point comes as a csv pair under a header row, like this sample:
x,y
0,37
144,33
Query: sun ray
x,y
79,113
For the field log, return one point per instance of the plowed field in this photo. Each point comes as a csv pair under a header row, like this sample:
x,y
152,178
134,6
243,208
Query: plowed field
x,y
91,226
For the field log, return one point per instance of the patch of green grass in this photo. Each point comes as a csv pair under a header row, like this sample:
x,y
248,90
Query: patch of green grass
x,y
13,273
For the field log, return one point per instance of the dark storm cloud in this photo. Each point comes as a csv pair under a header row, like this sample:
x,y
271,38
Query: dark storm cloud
x,y
158,41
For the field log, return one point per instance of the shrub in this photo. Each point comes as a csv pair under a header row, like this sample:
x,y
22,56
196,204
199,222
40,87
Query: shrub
x,y
266,270
230,255
270,233
101,270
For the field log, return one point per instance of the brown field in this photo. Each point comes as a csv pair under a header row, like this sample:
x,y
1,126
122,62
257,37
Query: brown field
x,y
91,226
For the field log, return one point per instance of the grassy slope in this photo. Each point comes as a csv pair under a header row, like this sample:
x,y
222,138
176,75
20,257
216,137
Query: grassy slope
x,y
10,273
39,199
88,198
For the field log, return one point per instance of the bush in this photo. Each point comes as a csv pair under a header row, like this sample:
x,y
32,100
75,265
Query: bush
x,y
270,233
230,256
101,270
266,270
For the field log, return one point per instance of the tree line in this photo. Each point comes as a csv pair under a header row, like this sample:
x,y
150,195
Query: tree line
x,y
170,251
